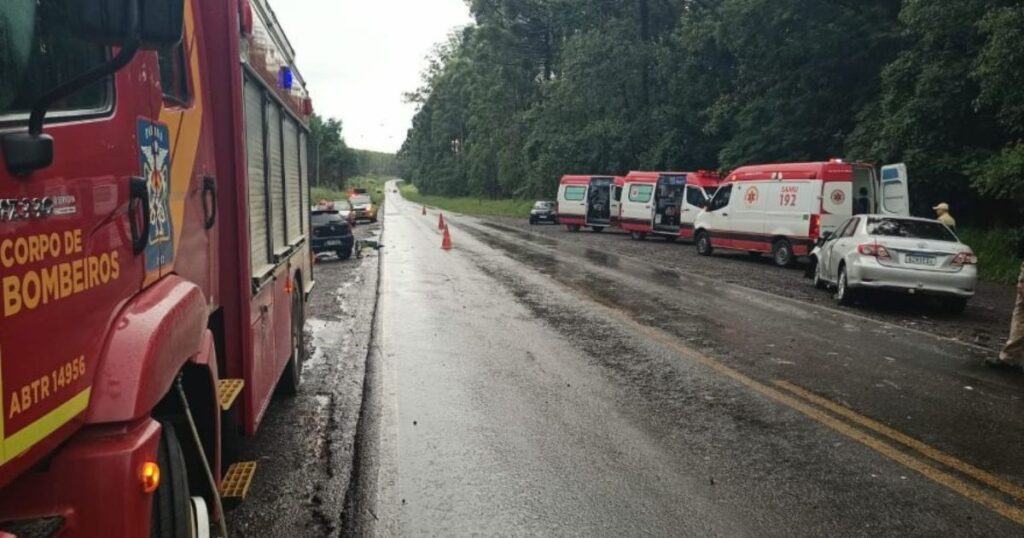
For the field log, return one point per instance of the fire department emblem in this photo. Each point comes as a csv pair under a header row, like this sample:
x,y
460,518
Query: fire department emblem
x,y
838,197
752,196
155,159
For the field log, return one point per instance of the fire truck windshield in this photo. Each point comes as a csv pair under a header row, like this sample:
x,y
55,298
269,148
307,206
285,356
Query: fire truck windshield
x,y
38,52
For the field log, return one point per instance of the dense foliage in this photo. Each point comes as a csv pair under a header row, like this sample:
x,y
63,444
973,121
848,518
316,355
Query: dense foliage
x,y
332,163
539,88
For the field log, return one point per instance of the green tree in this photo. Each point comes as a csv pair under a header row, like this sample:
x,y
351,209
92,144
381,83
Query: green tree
x,y
331,162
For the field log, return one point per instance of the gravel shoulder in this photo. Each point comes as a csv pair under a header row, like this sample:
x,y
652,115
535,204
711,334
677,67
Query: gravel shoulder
x,y
305,445
985,323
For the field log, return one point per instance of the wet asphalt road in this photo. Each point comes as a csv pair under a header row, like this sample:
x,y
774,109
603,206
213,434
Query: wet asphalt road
x,y
305,447
532,384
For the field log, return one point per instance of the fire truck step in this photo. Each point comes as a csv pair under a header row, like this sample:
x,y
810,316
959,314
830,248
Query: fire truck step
x,y
228,391
235,485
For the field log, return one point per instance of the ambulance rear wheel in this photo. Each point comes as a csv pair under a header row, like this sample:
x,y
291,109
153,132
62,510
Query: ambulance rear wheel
x,y
638,236
172,515
704,247
782,253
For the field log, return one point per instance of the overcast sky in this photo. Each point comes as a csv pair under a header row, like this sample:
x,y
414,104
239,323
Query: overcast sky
x,y
359,56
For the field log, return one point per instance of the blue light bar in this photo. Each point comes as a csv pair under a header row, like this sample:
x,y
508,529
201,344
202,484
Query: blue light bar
x,y
285,78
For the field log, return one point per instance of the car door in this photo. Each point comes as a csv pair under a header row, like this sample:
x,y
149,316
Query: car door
x,y
842,245
825,250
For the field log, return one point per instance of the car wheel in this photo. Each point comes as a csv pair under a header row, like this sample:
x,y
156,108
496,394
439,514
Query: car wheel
x,y
704,247
573,227
844,295
955,305
345,253
819,282
597,229
637,236
782,253
532,221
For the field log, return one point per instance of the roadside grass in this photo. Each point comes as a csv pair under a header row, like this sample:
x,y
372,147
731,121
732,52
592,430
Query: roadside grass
x,y
997,253
326,193
469,206
372,184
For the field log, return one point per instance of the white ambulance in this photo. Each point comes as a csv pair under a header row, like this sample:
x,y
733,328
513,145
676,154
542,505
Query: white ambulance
x,y
783,209
665,203
589,201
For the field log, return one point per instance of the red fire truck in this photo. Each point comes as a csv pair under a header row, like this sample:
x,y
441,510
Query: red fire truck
x,y
154,260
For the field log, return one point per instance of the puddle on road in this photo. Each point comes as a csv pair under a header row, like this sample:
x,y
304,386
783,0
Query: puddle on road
x,y
327,338
521,234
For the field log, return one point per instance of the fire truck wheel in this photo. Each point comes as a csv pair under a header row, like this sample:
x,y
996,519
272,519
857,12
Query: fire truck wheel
x,y
782,253
638,236
292,378
704,247
172,515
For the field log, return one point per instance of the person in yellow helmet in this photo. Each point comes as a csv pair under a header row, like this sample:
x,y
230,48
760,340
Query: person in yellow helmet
x,y
943,216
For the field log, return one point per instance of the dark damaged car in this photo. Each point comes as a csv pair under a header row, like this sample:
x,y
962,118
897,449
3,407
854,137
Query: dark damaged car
x,y
331,233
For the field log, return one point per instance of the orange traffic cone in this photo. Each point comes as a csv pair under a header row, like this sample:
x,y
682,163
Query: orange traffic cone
x,y
446,243
440,221
424,210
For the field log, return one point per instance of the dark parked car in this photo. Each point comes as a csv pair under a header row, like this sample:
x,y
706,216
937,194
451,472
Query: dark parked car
x,y
544,212
332,233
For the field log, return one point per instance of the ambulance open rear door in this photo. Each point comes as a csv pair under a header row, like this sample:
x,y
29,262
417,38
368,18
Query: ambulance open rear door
x,y
894,195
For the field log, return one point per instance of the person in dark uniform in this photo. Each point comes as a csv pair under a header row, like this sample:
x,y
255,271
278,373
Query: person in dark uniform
x,y
862,203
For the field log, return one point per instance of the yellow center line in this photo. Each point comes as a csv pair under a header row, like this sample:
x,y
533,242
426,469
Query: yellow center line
x,y
951,482
986,478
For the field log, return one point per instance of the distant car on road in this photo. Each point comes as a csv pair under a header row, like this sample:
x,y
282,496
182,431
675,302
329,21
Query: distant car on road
x,y
896,254
364,207
331,233
345,209
544,211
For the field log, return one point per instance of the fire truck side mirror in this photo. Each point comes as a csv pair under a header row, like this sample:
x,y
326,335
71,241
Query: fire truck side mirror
x,y
160,23
108,22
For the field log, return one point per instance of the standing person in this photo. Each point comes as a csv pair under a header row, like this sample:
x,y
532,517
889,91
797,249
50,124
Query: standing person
x,y
942,215
1012,356
862,203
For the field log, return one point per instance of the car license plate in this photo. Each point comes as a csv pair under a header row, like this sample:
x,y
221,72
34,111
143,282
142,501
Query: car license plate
x,y
920,260
334,243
